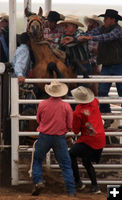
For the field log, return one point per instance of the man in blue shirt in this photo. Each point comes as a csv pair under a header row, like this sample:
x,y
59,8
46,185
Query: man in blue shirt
x,y
21,60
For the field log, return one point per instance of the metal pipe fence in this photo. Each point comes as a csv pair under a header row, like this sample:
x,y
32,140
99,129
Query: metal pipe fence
x,y
16,117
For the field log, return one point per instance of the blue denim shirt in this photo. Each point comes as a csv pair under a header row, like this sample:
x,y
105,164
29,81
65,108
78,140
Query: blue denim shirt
x,y
21,61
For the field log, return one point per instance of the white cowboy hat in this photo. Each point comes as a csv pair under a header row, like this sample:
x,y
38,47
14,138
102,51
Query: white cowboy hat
x,y
82,94
56,89
71,19
94,18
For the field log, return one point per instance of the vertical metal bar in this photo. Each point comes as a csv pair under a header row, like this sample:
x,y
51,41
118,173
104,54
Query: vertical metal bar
x,y
0,105
26,3
48,162
12,28
14,129
47,6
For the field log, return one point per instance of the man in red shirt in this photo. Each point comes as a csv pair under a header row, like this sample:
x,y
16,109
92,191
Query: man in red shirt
x,y
87,120
54,117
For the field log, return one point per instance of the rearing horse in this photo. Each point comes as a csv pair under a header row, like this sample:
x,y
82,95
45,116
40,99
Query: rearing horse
x,y
47,64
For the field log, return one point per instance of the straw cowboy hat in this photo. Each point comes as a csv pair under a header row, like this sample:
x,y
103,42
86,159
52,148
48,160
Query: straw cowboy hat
x,y
83,95
94,18
3,17
72,20
111,13
56,89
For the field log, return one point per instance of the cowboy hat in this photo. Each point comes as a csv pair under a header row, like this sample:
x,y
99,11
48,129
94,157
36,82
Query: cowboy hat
x,y
4,17
111,13
56,89
94,18
72,20
82,94
54,16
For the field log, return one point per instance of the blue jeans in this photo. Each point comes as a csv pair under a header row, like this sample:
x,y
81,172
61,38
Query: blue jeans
x,y
104,88
59,146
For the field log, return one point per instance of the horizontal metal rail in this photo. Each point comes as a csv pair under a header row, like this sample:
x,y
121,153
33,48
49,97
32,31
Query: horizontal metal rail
x,y
107,149
108,133
72,101
96,166
111,182
117,79
5,146
107,116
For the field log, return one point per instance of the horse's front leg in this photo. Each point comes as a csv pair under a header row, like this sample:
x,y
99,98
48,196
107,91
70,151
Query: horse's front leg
x,y
52,67
77,65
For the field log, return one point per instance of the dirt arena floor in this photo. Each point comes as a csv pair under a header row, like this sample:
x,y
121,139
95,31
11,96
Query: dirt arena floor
x,y
56,192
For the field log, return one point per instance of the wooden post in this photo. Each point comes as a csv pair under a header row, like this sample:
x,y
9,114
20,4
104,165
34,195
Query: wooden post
x,y
12,28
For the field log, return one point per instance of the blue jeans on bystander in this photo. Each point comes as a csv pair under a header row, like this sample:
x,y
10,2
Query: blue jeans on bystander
x,y
59,146
103,90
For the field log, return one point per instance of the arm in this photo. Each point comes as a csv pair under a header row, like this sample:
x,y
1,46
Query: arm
x,y
88,35
38,115
78,33
22,57
69,116
71,38
66,40
116,33
21,64
76,125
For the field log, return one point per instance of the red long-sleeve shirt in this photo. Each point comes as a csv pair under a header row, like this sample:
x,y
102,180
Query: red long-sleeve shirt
x,y
87,120
54,116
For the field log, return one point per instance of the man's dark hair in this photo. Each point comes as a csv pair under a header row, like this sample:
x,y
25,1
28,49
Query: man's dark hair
x,y
24,38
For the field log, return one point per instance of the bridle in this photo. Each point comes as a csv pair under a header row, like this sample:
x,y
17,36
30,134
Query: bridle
x,y
31,20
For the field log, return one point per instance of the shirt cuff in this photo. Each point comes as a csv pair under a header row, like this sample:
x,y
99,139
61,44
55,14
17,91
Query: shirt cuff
x,y
19,74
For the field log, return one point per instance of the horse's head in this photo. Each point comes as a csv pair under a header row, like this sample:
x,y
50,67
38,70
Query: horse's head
x,y
35,27
35,24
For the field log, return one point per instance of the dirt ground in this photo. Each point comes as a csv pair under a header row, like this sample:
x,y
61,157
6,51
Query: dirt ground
x,y
23,192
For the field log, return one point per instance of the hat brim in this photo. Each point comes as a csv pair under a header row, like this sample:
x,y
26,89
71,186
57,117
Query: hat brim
x,y
88,100
86,20
72,22
63,91
107,15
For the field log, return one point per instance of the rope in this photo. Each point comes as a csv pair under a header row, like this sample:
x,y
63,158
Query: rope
x,y
43,42
32,158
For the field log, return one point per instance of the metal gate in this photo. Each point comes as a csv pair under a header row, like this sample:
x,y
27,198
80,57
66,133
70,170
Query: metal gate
x,y
16,133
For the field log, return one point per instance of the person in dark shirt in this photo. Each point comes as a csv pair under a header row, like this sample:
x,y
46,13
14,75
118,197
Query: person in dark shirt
x,y
109,54
4,39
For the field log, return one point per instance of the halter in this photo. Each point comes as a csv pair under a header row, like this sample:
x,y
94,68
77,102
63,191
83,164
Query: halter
x,y
34,18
